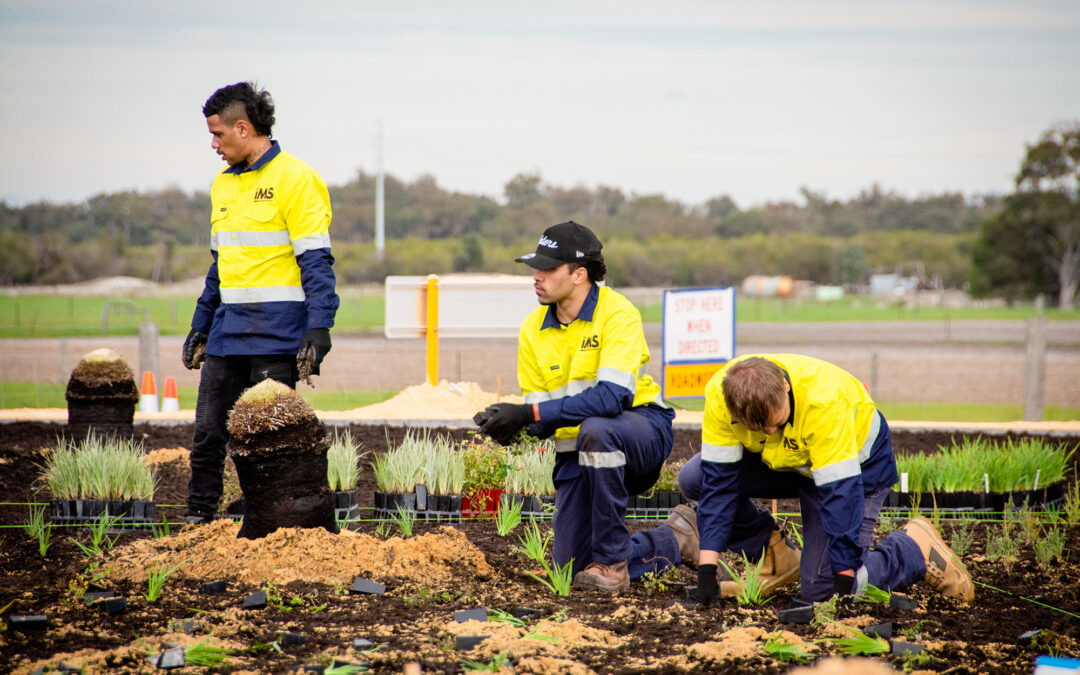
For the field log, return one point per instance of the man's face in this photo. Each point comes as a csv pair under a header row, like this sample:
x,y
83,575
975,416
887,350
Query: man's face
x,y
553,285
226,140
779,416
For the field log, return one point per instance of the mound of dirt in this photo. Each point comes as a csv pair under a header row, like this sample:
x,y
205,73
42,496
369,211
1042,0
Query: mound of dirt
x,y
447,401
213,551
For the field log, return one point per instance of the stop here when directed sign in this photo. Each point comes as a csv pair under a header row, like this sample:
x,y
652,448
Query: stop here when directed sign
x,y
699,337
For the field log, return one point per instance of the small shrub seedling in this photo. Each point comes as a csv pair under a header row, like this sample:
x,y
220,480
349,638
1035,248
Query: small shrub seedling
x,y
962,538
825,612
1049,547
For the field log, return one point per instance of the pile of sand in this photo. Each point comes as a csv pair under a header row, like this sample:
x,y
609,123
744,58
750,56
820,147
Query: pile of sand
x,y
447,401
212,551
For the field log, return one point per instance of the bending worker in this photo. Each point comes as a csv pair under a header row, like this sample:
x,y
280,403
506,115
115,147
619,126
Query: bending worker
x,y
269,300
784,425
583,367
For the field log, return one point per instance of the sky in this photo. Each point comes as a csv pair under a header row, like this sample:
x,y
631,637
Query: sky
x,y
685,98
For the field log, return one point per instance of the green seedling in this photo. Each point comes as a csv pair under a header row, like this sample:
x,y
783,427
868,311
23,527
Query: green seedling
x,y
859,643
205,656
508,516
1049,547
912,632
535,634
659,583
887,524
99,541
405,519
505,617
40,529
493,666
962,538
343,462
1003,547
874,595
560,577
751,590
1072,504
162,531
155,581
344,669
794,528
786,651
825,612
535,545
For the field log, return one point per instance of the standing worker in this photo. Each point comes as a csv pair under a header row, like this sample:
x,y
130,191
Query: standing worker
x,y
269,301
785,425
583,367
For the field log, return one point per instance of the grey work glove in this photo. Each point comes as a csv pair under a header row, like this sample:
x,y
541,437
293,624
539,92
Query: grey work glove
x,y
194,352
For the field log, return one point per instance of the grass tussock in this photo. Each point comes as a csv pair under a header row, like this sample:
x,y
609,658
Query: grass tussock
x,y
100,373
268,406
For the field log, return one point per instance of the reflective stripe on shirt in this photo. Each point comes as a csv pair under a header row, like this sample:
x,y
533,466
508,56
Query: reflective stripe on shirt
x,y
721,454
311,243
250,238
615,376
602,460
838,471
234,296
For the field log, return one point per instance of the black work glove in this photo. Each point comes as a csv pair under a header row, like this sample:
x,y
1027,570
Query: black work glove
x,y
194,352
505,420
317,341
842,584
483,416
708,588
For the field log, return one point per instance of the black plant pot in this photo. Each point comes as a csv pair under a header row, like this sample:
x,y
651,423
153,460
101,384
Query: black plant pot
x,y
387,503
347,504
129,514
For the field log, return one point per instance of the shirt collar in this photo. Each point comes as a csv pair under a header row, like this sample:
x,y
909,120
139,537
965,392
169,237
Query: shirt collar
x,y
241,167
588,308
791,400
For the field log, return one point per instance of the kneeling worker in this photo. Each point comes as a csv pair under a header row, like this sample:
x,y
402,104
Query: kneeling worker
x,y
785,425
583,367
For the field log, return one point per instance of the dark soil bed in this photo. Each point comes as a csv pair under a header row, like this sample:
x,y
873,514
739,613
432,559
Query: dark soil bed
x,y
649,628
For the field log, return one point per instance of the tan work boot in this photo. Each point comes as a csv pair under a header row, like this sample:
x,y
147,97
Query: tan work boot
x,y
943,571
600,577
683,522
779,568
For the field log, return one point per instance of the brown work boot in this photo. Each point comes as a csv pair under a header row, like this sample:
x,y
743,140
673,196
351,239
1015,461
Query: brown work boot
x,y
944,572
601,577
780,567
683,522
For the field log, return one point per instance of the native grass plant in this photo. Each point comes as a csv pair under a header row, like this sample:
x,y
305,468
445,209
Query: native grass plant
x,y
205,656
751,589
962,537
99,468
508,516
343,462
1010,465
782,650
163,530
99,539
859,643
445,469
534,545
497,663
530,468
559,578
406,464
37,527
1049,547
155,580
873,595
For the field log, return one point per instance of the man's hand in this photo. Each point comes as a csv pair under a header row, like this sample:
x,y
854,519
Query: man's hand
x,y
313,349
194,352
708,589
504,420
849,582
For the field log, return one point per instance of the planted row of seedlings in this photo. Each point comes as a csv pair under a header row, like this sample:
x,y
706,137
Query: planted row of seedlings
x,y
982,475
443,481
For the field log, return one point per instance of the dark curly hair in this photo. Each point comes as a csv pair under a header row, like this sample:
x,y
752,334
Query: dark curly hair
x,y
235,101
596,269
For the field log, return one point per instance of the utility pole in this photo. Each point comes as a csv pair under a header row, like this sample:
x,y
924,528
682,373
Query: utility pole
x,y
380,209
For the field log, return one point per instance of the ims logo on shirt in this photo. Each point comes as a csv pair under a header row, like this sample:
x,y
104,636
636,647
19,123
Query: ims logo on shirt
x,y
264,194
590,342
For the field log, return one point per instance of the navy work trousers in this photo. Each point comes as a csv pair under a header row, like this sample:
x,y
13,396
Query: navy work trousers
x,y
613,457
222,382
894,562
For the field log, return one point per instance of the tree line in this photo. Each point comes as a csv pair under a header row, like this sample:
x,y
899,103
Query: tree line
x,y
982,240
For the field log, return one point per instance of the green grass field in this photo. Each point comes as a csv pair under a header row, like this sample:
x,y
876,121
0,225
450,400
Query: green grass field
x,y
29,395
68,316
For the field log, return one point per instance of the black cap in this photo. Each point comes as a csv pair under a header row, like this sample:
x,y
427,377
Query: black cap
x,y
563,243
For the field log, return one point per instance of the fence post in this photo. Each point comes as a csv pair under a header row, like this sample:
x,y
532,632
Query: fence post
x,y
1035,364
432,330
148,348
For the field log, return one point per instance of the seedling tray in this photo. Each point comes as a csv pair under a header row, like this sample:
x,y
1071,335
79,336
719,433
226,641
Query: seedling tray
x,y
655,506
131,513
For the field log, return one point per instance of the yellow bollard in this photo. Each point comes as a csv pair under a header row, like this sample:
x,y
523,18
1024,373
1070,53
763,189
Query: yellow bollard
x,y
432,330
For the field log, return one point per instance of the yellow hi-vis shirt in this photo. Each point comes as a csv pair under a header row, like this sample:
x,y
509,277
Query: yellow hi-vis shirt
x,y
605,343
832,431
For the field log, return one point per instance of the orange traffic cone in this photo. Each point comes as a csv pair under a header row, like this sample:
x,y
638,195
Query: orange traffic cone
x,y
170,402
148,399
